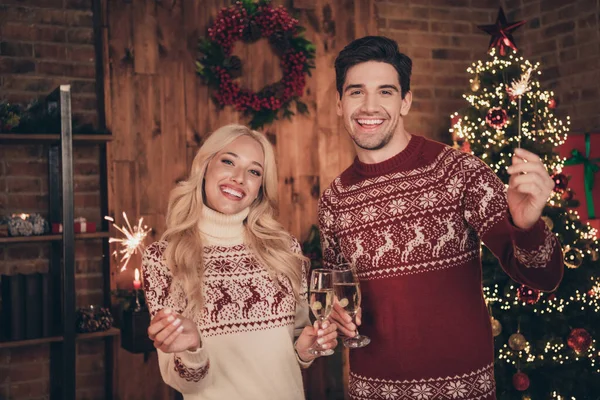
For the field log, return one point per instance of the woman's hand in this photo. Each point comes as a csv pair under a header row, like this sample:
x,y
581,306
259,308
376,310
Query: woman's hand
x,y
326,337
172,333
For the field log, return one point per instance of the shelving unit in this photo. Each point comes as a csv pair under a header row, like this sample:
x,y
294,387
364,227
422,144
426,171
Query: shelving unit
x,y
54,339
51,138
64,338
52,238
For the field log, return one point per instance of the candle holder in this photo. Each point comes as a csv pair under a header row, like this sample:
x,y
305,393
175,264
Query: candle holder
x,y
137,307
134,331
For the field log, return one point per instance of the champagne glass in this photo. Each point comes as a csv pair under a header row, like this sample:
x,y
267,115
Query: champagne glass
x,y
346,288
321,303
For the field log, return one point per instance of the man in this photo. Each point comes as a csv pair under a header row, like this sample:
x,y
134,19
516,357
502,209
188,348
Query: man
x,y
410,214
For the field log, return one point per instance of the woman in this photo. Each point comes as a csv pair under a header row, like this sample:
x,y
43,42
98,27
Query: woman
x,y
226,286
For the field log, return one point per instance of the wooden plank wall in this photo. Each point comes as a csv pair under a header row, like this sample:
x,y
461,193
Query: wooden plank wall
x,y
159,112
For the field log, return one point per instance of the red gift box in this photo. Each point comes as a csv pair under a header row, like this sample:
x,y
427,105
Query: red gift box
x,y
81,226
583,162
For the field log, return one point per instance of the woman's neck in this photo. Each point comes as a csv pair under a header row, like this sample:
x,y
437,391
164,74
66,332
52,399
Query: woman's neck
x,y
222,229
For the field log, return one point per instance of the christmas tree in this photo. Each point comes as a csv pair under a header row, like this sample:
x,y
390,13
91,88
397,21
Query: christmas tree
x,y
545,342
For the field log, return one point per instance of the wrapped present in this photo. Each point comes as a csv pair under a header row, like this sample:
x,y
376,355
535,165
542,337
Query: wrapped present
x,y
582,165
81,226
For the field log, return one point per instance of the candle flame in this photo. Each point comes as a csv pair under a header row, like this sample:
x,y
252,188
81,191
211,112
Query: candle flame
x,y
137,274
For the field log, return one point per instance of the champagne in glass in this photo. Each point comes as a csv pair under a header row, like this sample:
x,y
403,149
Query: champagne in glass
x,y
321,303
346,288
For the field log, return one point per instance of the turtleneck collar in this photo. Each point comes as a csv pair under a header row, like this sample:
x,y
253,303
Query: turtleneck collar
x,y
397,162
221,229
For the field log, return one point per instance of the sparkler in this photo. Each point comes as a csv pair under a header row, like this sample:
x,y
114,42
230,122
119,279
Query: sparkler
x,y
133,240
517,89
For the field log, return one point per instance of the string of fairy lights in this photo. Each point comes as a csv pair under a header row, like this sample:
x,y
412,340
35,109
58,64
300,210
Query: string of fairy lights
x,y
556,351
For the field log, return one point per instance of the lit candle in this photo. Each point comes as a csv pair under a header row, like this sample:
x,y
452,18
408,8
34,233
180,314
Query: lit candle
x,y
137,283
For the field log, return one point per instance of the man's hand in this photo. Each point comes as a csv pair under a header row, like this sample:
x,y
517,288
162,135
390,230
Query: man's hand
x,y
529,188
343,320
172,333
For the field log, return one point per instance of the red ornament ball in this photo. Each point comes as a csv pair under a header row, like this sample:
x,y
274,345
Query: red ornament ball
x,y
552,103
455,119
560,182
496,118
579,340
520,381
528,295
466,147
567,195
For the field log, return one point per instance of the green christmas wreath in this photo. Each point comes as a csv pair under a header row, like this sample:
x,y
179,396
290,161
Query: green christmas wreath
x,y
250,21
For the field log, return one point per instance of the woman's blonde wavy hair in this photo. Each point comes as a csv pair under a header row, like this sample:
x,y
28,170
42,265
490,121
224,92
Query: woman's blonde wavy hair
x,y
266,238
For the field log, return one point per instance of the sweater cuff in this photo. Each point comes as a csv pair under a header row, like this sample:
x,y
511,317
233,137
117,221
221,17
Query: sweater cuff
x,y
303,364
534,246
196,357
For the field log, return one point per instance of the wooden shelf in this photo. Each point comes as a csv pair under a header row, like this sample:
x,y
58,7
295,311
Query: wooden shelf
x,y
30,342
89,336
82,336
52,238
30,138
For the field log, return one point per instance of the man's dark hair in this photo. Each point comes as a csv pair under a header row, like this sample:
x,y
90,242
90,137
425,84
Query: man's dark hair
x,y
373,48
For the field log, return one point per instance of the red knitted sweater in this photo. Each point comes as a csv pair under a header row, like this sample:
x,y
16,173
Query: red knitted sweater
x,y
413,225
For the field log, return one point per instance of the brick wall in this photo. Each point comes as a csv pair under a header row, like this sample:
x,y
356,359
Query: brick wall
x,y
43,45
46,44
565,38
442,38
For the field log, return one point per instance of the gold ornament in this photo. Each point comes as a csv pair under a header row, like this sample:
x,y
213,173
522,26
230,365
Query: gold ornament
x,y
573,257
496,327
548,221
517,341
475,84
573,217
526,397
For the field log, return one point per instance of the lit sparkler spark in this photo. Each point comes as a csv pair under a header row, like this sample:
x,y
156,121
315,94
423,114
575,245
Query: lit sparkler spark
x,y
521,86
133,240
517,89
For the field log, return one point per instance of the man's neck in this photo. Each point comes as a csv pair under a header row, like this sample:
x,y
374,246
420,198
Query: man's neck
x,y
398,143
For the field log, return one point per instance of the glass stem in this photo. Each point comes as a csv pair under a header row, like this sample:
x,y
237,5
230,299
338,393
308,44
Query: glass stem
x,y
320,321
356,334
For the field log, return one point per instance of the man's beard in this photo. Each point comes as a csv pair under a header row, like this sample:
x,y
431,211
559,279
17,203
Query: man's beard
x,y
381,143
376,146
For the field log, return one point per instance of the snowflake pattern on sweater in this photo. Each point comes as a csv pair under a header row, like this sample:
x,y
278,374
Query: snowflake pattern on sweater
x,y
412,226
474,386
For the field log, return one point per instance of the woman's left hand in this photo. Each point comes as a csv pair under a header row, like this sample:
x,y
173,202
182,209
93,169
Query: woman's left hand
x,y
325,336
